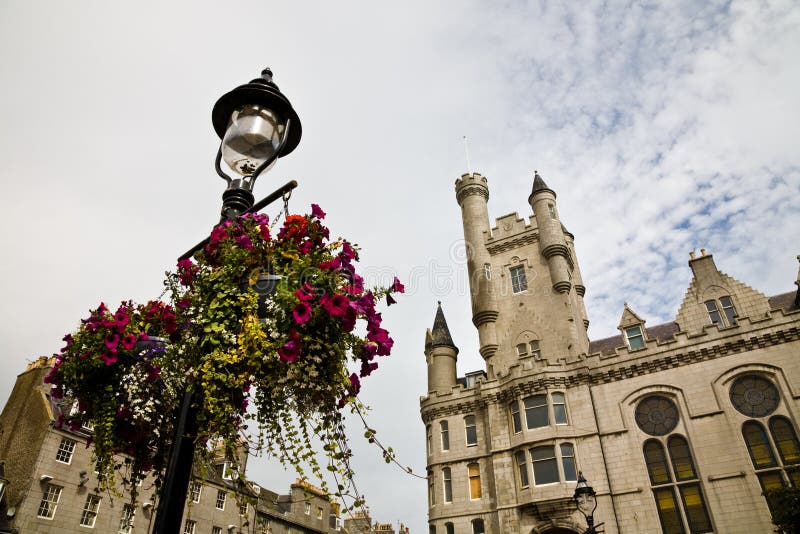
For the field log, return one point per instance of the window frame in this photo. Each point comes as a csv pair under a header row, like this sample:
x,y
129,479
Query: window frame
x,y
545,462
190,527
126,520
50,499
222,497
722,311
447,485
90,510
66,450
444,435
522,469
473,426
531,411
638,336
474,481
516,418
195,491
519,279
478,526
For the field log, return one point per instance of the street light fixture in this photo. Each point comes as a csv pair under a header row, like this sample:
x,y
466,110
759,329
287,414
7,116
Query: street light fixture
x,y
586,501
256,125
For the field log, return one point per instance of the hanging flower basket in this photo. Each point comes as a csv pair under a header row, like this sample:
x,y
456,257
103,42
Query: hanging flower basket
x,y
273,331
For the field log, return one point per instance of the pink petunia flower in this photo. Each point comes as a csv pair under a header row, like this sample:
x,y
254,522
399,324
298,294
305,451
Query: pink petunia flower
x,y
244,241
291,349
109,357
336,305
111,341
317,212
301,313
397,287
128,342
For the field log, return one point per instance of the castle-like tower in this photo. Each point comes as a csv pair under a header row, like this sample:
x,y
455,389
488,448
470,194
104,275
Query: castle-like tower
x,y
671,424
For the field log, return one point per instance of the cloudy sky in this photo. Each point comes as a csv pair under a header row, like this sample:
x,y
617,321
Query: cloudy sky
x,y
664,127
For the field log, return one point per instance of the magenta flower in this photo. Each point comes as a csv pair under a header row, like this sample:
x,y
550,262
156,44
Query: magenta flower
x,y
317,212
305,293
291,349
348,252
186,271
301,313
305,247
397,287
218,234
184,303
263,231
128,342
349,319
111,341
367,368
336,305
244,242
109,357
331,265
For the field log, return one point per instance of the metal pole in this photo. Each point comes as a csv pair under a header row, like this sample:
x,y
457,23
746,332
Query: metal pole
x,y
172,498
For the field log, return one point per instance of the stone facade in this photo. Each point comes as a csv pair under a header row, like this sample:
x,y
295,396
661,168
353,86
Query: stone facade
x,y
51,483
678,427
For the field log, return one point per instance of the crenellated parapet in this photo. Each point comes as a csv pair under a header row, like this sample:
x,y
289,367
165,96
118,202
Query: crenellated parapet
x,y
471,185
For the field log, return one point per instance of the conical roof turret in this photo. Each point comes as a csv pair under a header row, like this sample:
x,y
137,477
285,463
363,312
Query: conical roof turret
x,y
440,334
539,185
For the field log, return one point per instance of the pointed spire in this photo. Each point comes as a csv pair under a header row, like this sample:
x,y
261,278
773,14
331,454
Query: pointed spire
x,y
539,185
440,334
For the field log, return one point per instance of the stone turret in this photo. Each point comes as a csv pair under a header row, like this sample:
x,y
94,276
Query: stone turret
x,y
441,355
552,238
472,194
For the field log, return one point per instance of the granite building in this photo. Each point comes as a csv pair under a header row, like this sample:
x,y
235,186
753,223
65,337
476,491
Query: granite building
x,y
678,426
50,486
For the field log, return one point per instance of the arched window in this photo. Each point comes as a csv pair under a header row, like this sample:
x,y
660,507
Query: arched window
x,y
447,482
536,411
477,526
722,313
445,431
474,475
449,528
429,439
788,446
673,476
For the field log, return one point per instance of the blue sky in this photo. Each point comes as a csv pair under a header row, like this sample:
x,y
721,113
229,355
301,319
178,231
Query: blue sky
x,y
664,127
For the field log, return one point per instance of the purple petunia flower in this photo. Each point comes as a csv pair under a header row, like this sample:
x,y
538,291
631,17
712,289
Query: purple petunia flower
x,y
397,287
317,212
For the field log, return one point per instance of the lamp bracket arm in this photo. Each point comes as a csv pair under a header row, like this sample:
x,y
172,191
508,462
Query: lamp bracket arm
x,y
219,170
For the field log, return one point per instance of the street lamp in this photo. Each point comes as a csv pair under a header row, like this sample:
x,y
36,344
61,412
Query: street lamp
x,y
256,125
586,500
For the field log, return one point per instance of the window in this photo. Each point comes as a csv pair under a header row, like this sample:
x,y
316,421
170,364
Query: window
x,y
518,281
243,508
449,528
431,529
754,396
474,475
445,431
552,210
545,462
568,461
771,469
535,351
728,315
448,484
126,520
229,471
308,508
545,468
676,486
516,421
89,514
429,439
656,415
559,408
47,508
195,490
487,270
471,430
65,450
221,499
319,512
477,526
189,527
522,466
431,493
536,411
635,337
216,530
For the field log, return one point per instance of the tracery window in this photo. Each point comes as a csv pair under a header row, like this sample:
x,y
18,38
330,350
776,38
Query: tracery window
x,y
657,415
722,313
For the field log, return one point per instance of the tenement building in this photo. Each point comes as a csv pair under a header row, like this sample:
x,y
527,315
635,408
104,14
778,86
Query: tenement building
x,y
678,427
48,485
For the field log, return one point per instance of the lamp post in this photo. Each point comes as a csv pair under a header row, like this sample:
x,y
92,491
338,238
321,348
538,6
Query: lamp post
x,y
586,500
256,125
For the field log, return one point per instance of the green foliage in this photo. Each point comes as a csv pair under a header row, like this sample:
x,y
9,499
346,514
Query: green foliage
x,y
785,507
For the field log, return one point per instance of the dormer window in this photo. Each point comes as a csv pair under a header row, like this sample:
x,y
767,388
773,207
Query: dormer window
x,y
519,282
722,313
634,337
